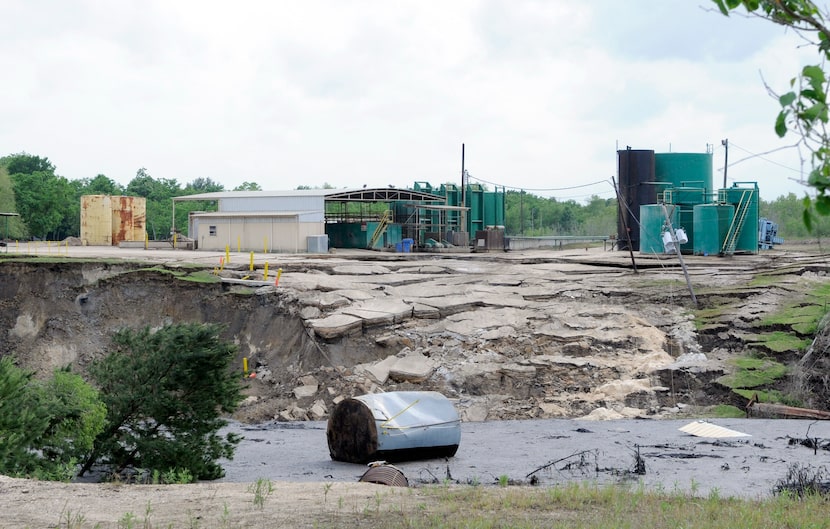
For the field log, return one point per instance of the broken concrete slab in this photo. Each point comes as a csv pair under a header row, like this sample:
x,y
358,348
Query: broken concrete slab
x,y
335,326
379,371
360,270
414,367
380,311
302,392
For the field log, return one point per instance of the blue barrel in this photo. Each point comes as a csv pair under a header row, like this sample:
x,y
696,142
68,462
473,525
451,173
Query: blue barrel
x,y
407,245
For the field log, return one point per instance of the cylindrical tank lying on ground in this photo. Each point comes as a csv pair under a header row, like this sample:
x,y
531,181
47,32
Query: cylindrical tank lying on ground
x,y
394,426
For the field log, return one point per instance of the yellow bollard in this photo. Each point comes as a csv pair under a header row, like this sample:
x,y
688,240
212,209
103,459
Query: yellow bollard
x,y
174,240
265,245
245,365
227,254
265,274
238,243
252,262
146,240
277,281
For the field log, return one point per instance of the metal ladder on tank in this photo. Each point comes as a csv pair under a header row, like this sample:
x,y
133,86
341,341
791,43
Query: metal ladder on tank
x,y
730,242
383,223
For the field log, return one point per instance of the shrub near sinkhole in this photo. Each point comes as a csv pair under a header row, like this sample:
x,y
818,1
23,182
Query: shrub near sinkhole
x,y
166,391
46,426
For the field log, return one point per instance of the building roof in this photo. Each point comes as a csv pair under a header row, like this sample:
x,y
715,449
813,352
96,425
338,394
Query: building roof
x,y
382,194
224,214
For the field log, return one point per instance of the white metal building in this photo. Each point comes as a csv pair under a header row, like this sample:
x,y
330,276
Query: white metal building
x,y
261,221
278,221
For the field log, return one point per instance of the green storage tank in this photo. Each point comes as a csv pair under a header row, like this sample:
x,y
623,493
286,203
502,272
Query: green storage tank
x,y
744,193
652,219
711,222
685,220
684,169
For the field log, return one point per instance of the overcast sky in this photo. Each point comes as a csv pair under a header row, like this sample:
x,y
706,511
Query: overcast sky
x,y
377,93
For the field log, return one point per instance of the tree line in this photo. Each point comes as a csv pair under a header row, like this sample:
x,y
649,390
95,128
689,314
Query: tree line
x,y
49,205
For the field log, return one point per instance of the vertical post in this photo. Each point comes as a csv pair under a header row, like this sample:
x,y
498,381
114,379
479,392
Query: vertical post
x,y
624,224
245,366
227,254
725,144
277,281
522,211
265,273
463,226
679,255
251,268
238,243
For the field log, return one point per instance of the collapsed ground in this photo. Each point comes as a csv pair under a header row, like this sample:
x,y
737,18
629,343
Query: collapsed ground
x,y
518,335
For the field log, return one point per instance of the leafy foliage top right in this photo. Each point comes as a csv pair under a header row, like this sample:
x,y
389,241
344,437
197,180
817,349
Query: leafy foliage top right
x,y
804,106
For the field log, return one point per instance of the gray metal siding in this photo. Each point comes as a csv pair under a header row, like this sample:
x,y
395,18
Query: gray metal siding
x,y
313,203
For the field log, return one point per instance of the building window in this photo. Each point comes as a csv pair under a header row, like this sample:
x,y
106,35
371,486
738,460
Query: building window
x,y
213,231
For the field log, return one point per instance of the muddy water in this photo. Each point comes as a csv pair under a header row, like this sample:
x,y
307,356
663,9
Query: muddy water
x,y
589,451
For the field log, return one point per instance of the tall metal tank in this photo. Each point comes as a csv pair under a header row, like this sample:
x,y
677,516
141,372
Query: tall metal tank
x,y
747,192
684,169
652,219
711,222
636,183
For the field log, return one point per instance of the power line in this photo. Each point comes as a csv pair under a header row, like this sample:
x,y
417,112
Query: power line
x,y
535,189
761,155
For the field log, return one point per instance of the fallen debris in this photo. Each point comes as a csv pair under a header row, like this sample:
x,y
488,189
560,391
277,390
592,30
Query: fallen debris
x,y
707,429
382,473
399,425
763,409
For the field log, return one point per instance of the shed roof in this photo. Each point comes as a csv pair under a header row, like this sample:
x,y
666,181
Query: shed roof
x,y
382,194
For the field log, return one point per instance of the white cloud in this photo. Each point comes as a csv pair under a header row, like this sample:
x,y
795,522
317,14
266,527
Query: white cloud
x,y
352,93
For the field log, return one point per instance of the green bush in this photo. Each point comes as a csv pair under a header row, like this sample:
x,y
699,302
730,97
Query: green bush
x,y
165,392
45,426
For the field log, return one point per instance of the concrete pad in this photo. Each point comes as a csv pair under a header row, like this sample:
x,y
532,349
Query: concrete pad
x,y
413,367
335,326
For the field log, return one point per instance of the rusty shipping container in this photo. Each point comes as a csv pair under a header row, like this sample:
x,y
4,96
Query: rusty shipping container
x,y
394,426
108,220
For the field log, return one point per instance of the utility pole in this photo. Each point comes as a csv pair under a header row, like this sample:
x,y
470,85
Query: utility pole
x,y
463,227
725,144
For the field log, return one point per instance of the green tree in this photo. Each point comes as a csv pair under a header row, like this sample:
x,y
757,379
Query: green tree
x,y
23,163
248,186
45,426
100,185
804,110
165,392
42,200
76,414
22,420
12,227
159,194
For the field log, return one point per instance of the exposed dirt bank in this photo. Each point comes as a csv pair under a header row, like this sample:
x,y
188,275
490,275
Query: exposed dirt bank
x,y
533,335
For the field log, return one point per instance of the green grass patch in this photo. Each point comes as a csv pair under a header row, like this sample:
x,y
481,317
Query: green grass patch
x,y
202,276
753,373
725,411
780,342
772,396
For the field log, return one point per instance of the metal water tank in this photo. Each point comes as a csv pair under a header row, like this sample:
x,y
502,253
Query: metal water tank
x,y
711,222
685,170
652,220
